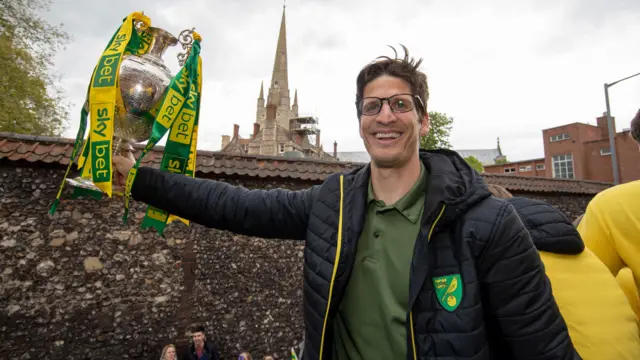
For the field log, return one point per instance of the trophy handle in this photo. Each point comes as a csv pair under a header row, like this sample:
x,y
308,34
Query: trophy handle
x,y
186,40
140,25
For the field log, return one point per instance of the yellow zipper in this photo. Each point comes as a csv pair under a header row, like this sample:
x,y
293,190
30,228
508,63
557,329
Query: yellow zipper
x,y
413,336
335,267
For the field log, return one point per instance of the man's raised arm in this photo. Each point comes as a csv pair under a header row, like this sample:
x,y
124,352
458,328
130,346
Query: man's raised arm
x,y
277,213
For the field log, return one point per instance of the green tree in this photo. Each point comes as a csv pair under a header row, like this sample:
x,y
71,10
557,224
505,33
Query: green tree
x,y
31,101
439,130
474,163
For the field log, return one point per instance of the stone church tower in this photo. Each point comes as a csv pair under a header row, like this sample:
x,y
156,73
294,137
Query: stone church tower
x,y
278,129
278,94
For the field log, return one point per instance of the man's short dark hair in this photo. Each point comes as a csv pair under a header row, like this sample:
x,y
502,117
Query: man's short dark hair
x,y
405,68
635,127
197,328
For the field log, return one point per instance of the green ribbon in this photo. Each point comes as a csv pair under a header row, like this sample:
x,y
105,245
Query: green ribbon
x,y
178,148
171,106
76,145
138,45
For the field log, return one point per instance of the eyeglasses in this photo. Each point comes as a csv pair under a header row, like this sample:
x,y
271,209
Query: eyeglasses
x,y
399,103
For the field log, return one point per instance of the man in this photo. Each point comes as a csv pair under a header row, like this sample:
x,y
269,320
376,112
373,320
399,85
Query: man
x,y
610,226
201,349
601,323
406,258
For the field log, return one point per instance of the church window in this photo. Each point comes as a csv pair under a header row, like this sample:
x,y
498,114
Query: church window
x,y
281,148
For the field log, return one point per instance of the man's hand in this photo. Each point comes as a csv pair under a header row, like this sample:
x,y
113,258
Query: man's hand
x,y
123,164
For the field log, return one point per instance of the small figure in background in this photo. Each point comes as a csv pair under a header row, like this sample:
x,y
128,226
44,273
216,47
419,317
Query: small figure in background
x,y
169,353
201,349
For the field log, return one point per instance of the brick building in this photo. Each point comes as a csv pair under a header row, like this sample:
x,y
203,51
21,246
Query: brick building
x,y
531,167
581,152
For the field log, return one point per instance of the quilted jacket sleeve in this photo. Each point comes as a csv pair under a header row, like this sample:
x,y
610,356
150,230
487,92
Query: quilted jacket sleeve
x,y
276,213
518,292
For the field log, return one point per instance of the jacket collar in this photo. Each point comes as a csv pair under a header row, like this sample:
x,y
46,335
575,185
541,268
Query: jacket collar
x,y
451,181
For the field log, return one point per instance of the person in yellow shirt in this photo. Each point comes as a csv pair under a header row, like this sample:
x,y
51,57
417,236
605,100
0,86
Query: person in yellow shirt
x,y
626,281
601,324
610,227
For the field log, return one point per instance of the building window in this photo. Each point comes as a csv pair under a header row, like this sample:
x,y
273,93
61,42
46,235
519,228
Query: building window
x,y
281,148
525,168
605,151
563,166
559,137
509,170
540,167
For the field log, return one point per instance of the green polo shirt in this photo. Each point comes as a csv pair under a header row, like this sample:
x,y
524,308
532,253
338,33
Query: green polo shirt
x,y
371,319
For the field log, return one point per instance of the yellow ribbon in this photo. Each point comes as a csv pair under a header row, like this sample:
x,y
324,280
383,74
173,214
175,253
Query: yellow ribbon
x,y
104,95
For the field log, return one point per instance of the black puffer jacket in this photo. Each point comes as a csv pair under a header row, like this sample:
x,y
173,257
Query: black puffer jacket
x,y
550,229
507,310
210,352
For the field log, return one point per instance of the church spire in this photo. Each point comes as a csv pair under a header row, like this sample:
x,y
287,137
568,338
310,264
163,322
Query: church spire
x,y
261,90
294,108
280,77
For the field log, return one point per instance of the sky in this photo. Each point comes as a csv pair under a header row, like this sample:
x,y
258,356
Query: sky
x,y
500,68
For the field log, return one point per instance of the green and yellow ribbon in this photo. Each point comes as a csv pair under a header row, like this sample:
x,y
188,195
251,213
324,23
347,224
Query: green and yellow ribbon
x,y
179,114
179,148
103,94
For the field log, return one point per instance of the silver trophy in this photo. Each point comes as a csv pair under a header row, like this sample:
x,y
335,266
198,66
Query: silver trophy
x,y
144,79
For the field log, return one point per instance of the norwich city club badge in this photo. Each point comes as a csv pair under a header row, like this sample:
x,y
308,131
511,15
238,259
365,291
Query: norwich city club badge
x,y
449,291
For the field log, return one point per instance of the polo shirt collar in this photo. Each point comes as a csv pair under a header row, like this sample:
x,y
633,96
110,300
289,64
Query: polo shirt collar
x,y
410,205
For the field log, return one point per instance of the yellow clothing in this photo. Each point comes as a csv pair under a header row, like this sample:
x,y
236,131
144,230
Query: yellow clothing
x,y
625,280
611,228
601,323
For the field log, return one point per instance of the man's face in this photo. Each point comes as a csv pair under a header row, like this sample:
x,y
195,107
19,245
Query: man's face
x,y
392,138
198,338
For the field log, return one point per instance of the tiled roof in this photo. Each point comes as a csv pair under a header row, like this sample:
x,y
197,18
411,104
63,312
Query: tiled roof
x,y
354,156
485,156
542,184
514,163
15,147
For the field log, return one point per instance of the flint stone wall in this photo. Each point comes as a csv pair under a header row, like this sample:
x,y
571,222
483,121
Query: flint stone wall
x,y
84,285
571,205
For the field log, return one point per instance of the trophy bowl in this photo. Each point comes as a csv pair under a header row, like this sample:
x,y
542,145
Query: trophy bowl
x,y
143,82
